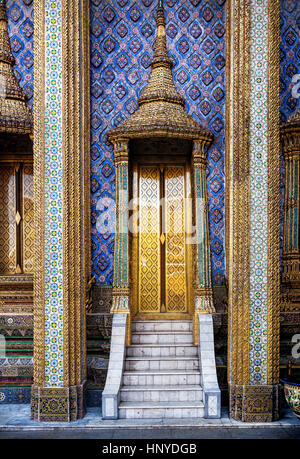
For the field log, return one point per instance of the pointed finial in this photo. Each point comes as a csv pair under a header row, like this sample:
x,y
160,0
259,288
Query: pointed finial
x,y
160,19
161,84
161,56
5,51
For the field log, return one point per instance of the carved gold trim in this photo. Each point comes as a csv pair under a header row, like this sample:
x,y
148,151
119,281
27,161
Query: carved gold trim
x,y
39,205
85,160
273,285
238,187
75,169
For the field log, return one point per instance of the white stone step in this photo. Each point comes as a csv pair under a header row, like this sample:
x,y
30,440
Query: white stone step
x,y
161,410
161,378
156,350
162,325
162,338
161,363
161,394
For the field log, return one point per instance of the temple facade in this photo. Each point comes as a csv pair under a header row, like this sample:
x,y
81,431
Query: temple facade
x,y
149,224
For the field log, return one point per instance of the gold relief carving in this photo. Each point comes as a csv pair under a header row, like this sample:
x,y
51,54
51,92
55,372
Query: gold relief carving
x,y
76,98
175,240
199,154
149,240
89,297
273,285
16,294
28,219
7,220
162,260
255,403
120,151
290,300
39,206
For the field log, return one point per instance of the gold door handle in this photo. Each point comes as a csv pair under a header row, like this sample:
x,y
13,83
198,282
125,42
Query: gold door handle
x,y
162,238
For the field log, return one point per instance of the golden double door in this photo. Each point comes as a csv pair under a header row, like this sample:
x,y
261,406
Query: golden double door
x,y
160,254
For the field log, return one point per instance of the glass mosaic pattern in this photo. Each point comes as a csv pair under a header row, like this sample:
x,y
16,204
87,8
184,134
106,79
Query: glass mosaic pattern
x,y
20,22
53,197
122,36
258,191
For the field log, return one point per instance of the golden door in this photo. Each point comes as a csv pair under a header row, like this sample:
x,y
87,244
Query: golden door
x,y
159,251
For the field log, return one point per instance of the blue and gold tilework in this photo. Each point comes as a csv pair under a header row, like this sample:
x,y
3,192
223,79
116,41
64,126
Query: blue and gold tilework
x,y
21,32
122,38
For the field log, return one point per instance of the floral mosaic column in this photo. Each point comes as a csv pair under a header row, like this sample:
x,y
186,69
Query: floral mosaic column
x,y
252,174
203,292
61,138
204,297
120,281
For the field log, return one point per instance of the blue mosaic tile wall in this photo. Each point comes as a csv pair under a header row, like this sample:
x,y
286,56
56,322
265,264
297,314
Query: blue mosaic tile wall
x,y
122,36
20,22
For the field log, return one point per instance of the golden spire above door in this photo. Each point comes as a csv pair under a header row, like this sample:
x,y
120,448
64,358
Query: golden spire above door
x,y
161,111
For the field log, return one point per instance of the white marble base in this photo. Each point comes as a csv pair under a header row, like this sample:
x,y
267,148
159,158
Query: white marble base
x,y
209,381
111,393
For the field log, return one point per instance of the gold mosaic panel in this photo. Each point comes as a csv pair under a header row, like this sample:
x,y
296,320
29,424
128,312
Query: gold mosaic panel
x,y
175,240
7,220
149,242
28,223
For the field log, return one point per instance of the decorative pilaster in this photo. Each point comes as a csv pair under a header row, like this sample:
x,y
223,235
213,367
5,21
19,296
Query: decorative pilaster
x,y
291,253
61,163
120,281
203,293
252,174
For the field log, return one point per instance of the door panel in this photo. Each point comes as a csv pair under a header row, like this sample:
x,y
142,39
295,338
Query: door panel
x,y
159,256
149,240
175,260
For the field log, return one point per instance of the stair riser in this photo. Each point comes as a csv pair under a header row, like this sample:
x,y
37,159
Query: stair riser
x,y
162,326
162,396
161,413
140,338
163,351
160,380
146,365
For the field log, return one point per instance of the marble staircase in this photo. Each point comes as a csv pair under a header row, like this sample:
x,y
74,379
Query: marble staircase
x,y
161,377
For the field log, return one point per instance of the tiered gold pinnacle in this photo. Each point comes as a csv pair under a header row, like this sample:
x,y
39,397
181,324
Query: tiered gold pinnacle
x,y
15,116
161,110
161,86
